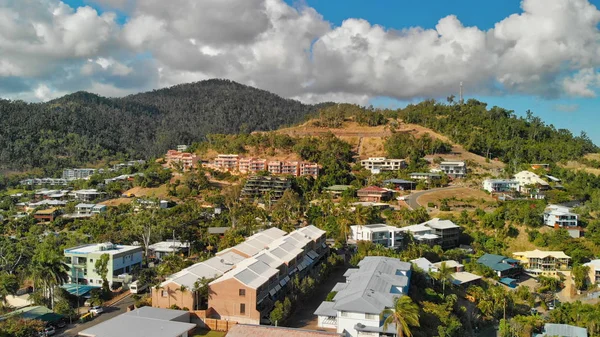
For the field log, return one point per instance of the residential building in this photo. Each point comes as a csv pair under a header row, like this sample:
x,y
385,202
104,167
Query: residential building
x,y
226,162
144,322
422,234
49,214
464,278
251,330
501,265
500,185
428,177
123,177
182,148
218,230
558,216
248,278
369,204
448,231
400,184
44,181
82,259
368,290
185,160
89,209
594,274
130,163
388,236
378,164
529,180
74,174
86,195
265,186
252,165
163,248
454,169
337,189
562,330
430,267
309,169
374,194
547,263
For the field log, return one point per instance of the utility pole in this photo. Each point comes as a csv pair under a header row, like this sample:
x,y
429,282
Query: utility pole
x,y
460,93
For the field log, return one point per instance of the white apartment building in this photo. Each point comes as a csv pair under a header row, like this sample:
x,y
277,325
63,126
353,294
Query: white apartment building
x,y
527,178
368,290
388,236
454,169
378,164
74,174
500,185
560,216
82,259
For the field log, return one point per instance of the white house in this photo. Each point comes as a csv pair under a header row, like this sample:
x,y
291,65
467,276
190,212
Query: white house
x,y
560,216
368,290
527,178
454,169
81,261
423,234
388,236
160,249
378,164
500,185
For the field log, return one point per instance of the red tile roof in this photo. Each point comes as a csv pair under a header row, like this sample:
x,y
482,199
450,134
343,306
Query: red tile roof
x,y
247,330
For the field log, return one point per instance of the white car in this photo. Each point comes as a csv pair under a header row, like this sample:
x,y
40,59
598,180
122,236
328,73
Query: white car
x,y
49,331
97,310
402,198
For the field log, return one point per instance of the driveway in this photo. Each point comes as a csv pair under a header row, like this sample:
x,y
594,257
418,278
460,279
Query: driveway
x,y
109,312
411,199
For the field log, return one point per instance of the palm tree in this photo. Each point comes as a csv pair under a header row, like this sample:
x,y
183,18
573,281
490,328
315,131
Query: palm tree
x,y
443,275
404,315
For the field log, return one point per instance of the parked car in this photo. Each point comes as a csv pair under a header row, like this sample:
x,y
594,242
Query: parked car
x,y
97,310
48,331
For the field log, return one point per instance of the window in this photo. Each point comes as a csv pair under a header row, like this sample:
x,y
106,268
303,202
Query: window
x,y
91,260
243,308
344,314
165,293
242,292
371,316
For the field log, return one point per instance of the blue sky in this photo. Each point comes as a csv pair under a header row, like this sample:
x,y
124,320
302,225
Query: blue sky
x,y
573,112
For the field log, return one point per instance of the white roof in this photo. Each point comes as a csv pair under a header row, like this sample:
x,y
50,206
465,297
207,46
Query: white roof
x,y
97,248
168,246
528,178
449,264
542,254
453,163
440,224
464,277
423,263
559,210
82,205
595,264
375,228
417,229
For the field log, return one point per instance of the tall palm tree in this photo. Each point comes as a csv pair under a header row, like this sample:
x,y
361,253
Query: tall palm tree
x,y
404,315
443,275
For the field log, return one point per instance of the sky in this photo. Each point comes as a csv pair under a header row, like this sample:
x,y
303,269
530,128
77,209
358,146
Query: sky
x,y
538,55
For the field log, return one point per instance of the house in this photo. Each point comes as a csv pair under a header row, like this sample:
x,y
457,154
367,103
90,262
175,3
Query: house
x,y
562,330
547,263
501,265
163,248
182,148
47,214
428,267
44,181
500,185
422,234
374,194
251,330
246,279
86,195
35,312
454,169
81,262
378,164
263,186
337,189
447,230
83,209
144,322
529,180
428,177
400,184
368,290
218,230
388,236
558,216
75,174
369,204
464,278
594,274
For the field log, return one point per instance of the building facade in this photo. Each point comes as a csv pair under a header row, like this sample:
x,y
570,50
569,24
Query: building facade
x,y
388,236
500,185
557,216
74,174
368,290
374,194
547,263
454,169
81,261
378,164
235,163
184,160
265,187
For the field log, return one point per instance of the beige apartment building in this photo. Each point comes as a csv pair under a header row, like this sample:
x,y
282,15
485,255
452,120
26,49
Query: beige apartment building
x,y
186,160
249,277
226,162
234,163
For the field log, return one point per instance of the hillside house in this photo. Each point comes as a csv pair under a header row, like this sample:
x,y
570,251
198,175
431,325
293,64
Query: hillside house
x,y
49,214
594,273
264,186
558,216
388,236
428,177
501,265
75,174
378,164
374,194
178,159
500,185
546,263
528,180
368,290
448,231
454,169
562,330
400,184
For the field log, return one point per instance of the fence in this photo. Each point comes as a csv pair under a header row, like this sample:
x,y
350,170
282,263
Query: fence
x,y
203,320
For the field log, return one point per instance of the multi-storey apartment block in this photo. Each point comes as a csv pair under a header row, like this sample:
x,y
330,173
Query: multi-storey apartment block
x,y
252,165
454,169
234,163
388,236
226,162
539,262
249,277
378,164
263,186
558,216
500,185
185,160
82,259
74,174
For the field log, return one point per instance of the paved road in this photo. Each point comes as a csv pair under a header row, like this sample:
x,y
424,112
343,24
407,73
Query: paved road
x,y
109,312
411,199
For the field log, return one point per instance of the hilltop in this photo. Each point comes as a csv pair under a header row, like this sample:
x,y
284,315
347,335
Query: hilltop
x,y
80,128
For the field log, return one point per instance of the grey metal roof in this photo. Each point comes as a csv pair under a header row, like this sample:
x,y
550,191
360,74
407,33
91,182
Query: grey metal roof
x,y
563,330
326,309
440,224
158,313
373,286
134,324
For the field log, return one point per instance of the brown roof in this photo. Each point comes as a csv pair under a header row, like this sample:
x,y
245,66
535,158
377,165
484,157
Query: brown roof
x,y
247,330
373,189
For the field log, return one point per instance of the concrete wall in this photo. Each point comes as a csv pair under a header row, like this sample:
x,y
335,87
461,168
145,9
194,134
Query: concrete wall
x,y
174,296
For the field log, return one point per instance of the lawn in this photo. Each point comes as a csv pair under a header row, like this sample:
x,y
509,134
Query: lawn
x,y
208,333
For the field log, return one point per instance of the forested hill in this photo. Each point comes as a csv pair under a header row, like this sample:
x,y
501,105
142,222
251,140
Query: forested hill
x,y
499,133
83,127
